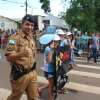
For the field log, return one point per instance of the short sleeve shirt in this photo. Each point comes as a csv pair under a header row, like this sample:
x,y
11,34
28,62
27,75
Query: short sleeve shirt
x,y
17,43
48,67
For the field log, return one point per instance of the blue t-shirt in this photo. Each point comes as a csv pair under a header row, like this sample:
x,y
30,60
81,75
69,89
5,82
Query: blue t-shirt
x,y
48,67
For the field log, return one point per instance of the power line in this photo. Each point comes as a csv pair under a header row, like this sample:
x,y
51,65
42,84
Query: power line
x,y
13,2
25,4
29,5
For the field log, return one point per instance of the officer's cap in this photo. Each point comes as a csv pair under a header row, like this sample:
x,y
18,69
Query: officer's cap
x,y
29,18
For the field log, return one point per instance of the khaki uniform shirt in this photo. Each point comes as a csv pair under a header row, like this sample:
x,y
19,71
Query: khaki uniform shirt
x,y
18,43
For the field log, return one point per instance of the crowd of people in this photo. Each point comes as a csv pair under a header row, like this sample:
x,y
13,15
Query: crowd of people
x,y
93,48
4,35
59,59
21,53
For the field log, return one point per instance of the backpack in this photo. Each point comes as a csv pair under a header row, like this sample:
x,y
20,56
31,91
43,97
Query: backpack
x,y
61,58
64,52
61,77
62,64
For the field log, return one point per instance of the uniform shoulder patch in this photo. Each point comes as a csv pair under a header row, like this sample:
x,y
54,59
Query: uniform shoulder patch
x,y
12,42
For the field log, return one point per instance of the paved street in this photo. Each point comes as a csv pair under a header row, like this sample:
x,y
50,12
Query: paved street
x,y
84,80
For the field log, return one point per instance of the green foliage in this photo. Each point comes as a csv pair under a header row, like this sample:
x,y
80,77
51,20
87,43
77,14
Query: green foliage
x,y
84,15
97,14
45,5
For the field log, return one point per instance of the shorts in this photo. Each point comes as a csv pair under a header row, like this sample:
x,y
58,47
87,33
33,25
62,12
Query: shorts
x,y
49,74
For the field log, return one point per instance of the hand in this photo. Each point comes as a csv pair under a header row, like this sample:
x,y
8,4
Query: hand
x,y
52,45
11,56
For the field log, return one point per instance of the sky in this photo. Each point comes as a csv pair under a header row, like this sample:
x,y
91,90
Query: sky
x,y
16,8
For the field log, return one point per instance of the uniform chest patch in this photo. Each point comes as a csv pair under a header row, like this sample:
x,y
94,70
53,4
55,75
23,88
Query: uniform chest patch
x,y
12,42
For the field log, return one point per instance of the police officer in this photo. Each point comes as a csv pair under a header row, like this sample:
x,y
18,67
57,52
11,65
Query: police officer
x,y
20,52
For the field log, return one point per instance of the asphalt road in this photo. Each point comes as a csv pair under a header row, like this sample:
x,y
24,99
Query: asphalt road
x,y
70,95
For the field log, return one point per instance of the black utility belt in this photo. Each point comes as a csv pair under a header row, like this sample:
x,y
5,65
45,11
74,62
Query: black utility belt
x,y
18,71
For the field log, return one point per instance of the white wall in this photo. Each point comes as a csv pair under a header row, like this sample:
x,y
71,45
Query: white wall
x,y
40,22
56,21
6,23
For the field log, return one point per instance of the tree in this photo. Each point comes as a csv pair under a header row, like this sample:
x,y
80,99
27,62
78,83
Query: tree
x,y
84,15
97,14
45,5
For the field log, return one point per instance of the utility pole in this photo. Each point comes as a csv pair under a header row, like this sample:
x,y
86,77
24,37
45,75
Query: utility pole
x,y
26,4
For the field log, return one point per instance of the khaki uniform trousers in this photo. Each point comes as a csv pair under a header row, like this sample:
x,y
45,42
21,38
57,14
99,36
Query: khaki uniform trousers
x,y
27,83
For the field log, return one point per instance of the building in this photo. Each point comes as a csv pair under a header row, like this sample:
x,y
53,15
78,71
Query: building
x,y
45,20
49,20
8,24
55,21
